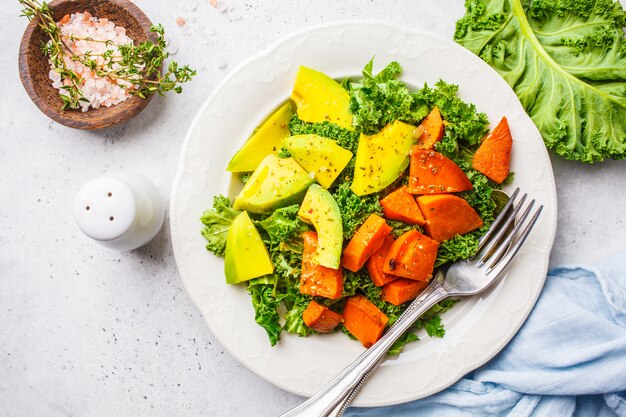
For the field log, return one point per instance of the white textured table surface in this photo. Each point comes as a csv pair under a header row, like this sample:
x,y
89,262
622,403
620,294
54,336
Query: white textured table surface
x,y
85,331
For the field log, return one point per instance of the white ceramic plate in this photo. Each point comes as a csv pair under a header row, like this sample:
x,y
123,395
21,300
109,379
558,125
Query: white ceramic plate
x,y
477,328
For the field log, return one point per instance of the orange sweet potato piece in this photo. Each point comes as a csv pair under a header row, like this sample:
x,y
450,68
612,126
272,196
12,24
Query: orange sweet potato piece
x,y
412,256
320,318
367,240
402,290
433,173
447,216
433,129
376,262
401,205
364,320
494,155
315,279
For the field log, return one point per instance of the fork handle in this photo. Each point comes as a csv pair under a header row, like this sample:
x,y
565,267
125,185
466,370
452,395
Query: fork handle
x,y
340,389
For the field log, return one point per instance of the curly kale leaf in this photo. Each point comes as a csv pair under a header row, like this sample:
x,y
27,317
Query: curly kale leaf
x,y
464,124
376,100
283,225
398,228
344,137
266,305
354,209
294,323
566,61
216,222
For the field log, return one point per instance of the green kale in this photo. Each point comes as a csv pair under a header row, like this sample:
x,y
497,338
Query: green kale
x,y
284,152
398,228
464,125
459,247
294,323
345,138
383,98
266,305
565,61
216,222
245,176
354,209
283,225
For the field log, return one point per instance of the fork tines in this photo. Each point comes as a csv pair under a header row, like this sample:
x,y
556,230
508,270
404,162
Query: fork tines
x,y
505,236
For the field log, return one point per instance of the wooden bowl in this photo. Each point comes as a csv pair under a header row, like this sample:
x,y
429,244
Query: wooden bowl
x,y
34,66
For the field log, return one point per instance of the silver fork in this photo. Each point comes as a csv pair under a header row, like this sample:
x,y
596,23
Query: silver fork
x,y
496,250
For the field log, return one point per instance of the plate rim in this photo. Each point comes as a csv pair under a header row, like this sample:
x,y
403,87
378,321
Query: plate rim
x,y
502,84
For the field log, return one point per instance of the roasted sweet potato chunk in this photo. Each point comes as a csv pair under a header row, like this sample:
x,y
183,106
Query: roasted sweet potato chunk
x,y
433,129
315,279
367,240
401,205
493,157
364,320
320,318
412,256
433,173
448,215
402,290
376,263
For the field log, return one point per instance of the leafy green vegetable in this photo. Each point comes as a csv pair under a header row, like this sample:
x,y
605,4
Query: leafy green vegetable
x,y
464,124
283,153
266,306
293,317
354,209
566,60
283,224
398,227
216,222
345,138
245,176
383,98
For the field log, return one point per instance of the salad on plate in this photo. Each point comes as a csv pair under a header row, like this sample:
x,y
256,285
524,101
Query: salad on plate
x,y
353,193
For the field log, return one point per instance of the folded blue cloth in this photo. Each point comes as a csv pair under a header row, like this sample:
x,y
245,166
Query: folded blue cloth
x,y
568,359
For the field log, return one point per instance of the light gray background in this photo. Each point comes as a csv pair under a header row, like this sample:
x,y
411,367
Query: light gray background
x,y
85,331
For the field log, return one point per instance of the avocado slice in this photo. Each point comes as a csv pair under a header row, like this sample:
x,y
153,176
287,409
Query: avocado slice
x,y
266,139
319,98
246,256
320,209
319,155
276,182
382,157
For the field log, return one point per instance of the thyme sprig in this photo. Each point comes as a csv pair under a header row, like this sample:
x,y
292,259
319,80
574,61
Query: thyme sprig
x,y
135,68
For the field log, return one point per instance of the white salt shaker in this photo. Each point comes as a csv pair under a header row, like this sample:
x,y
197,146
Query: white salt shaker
x,y
121,210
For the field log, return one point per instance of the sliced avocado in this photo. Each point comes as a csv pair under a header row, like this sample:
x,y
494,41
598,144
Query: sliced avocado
x,y
319,98
246,256
382,157
266,139
275,183
319,155
320,209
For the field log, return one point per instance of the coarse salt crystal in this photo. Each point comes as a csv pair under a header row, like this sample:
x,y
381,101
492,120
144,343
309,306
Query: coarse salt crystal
x,y
98,91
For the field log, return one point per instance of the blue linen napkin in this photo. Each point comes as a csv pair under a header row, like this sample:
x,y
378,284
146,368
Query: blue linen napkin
x,y
568,359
